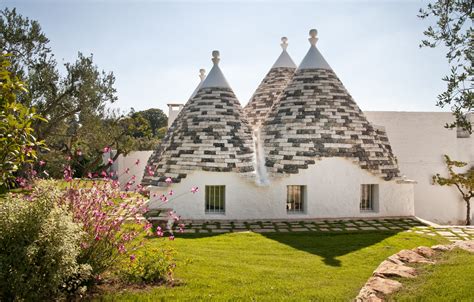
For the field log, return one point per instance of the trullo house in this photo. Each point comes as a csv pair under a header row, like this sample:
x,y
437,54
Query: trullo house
x,y
300,149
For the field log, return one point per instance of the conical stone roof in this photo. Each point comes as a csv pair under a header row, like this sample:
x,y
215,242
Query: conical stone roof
x,y
209,134
270,88
316,117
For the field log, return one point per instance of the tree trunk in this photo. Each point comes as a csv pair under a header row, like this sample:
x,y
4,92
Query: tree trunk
x,y
468,214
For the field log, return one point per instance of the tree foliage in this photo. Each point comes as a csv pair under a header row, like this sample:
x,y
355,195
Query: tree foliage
x,y
18,144
463,181
453,29
75,100
156,118
81,89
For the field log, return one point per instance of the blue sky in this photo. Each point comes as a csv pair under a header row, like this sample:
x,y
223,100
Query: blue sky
x,y
155,48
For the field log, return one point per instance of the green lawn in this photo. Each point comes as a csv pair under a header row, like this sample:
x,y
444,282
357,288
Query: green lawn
x,y
275,266
451,279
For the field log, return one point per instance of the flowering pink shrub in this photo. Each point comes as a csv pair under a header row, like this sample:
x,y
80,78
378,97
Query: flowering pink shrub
x,y
113,220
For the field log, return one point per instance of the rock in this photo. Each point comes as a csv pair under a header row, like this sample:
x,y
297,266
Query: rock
x,y
424,251
465,245
395,260
442,248
367,295
409,256
389,269
383,286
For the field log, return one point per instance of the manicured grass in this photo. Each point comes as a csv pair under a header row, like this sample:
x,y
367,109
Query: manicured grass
x,y
275,266
451,279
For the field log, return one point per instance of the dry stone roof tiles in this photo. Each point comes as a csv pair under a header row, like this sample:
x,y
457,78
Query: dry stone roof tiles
x,y
209,134
270,88
316,117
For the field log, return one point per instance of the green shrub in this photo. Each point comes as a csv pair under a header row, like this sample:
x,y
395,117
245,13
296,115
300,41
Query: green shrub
x,y
149,266
39,244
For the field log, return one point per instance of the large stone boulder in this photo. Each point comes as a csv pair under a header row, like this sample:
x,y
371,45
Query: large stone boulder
x,y
465,245
389,269
424,251
442,248
377,288
409,256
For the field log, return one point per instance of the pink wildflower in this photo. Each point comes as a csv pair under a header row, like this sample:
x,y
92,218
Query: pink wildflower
x,y
42,163
159,231
164,198
132,257
106,149
137,162
171,237
110,161
21,181
147,226
171,193
121,249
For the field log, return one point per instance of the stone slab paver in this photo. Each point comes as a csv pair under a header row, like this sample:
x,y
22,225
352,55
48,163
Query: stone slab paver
x,y
453,234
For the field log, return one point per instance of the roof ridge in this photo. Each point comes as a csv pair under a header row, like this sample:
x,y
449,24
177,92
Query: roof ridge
x,y
215,78
284,60
313,58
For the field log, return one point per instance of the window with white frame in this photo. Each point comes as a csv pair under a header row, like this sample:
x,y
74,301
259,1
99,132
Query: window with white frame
x,y
295,199
368,197
215,199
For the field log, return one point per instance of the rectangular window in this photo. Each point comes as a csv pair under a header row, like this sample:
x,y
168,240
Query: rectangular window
x,y
368,197
215,199
295,196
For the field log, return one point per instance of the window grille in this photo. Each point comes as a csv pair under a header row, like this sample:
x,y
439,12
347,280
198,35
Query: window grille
x,y
367,197
215,199
295,196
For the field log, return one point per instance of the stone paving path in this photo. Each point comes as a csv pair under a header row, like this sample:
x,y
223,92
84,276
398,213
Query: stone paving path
x,y
452,233
323,226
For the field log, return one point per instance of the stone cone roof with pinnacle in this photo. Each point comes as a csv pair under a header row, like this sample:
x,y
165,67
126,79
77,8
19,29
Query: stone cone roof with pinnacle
x,y
154,158
270,88
316,117
209,134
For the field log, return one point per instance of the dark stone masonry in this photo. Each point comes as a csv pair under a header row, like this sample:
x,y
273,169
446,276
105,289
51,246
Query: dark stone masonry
x,y
267,94
209,134
316,117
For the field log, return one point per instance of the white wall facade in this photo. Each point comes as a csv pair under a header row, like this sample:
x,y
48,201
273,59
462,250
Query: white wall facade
x,y
419,141
129,162
332,191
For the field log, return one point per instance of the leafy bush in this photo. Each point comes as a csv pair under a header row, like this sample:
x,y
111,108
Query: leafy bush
x,y
39,245
18,144
110,220
150,266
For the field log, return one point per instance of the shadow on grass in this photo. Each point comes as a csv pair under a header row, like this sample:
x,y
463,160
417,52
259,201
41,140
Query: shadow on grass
x,y
329,245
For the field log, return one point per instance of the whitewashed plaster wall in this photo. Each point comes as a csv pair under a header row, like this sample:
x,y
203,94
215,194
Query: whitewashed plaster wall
x,y
333,191
123,162
419,141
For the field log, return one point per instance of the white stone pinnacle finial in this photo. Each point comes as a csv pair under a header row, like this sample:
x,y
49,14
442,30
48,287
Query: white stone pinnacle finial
x,y
215,57
313,39
202,73
284,42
